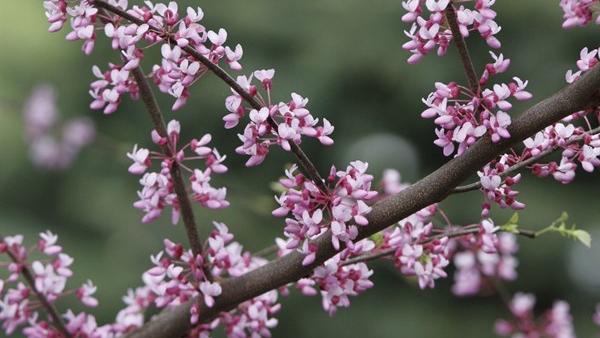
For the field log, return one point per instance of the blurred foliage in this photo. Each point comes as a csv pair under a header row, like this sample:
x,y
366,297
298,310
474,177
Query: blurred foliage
x,y
346,56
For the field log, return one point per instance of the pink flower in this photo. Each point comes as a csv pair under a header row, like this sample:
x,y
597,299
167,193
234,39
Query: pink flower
x,y
109,87
82,22
234,56
522,304
265,76
576,12
596,315
85,292
141,160
339,282
56,12
47,244
210,290
218,38
497,126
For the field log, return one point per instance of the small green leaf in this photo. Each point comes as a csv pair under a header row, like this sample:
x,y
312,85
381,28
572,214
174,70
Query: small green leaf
x,y
582,236
277,187
377,238
514,219
512,228
512,225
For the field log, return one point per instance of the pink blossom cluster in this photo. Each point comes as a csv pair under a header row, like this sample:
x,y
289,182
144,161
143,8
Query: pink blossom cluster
x,y
578,12
497,188
338,278
158,190
345,202
578,147
418,252
53,144
282,123
427,33
463,116
337,282
178,70
20,301
578,144
587,59
555,323
83,19
178,276
477,263
109,87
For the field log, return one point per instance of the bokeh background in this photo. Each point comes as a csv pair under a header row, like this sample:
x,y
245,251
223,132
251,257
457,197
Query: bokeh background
x,y
346,56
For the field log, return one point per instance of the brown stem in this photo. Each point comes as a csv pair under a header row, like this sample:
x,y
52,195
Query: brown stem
x,y
523,164
185,207
305,163
452,234
28,276
431,189
463,51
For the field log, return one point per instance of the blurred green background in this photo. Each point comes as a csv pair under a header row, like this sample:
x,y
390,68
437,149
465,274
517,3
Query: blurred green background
x,y
346,56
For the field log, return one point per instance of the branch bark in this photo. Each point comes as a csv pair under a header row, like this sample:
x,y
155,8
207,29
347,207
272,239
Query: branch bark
x,y
463,51
433,188
185,206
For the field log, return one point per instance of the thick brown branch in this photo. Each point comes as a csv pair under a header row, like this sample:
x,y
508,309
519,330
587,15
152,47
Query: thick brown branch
x,y
305,163
185,207
431,189
463,51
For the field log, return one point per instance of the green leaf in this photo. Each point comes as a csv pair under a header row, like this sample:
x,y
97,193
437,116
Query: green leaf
x,y
560,226
512,228
277,187
582,236
377,238
514,219
512,225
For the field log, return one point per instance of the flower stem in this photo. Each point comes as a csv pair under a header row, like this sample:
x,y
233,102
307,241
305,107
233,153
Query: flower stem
x,y
185,206
463,51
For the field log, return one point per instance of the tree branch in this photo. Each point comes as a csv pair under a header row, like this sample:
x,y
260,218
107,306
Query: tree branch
x,y
523,164
185,207
463,51
463,231
305,163
431,189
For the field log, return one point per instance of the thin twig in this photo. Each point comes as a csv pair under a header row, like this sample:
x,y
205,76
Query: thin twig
x,y
185,206
523,164
305,163
267,251
464,231
461,45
